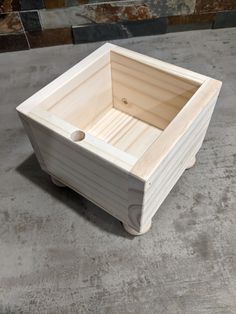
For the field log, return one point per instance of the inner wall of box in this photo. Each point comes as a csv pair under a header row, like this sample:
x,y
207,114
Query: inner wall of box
x,y
125,103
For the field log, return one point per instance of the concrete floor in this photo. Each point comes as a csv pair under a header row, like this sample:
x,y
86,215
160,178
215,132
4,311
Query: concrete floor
x,y
60,253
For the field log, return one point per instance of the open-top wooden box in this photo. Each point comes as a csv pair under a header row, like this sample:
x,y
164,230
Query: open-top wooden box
x,y
120,128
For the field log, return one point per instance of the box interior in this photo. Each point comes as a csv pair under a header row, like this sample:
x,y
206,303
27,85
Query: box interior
x,y
124,102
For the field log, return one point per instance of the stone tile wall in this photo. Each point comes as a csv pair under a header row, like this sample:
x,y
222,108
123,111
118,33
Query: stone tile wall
x,y
26,24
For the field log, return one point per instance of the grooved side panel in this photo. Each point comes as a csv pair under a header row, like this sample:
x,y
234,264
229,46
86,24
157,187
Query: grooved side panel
x,y
175,163
33,141
88,174
117,192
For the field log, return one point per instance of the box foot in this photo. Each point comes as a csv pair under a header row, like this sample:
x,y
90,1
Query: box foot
x,y
56,182
133,232
191,163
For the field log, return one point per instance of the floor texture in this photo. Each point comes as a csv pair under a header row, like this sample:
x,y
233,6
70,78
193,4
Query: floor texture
x,y
60,253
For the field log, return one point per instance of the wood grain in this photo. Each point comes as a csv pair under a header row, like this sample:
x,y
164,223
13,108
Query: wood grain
x,y
120,128
141,90
79,106
125,132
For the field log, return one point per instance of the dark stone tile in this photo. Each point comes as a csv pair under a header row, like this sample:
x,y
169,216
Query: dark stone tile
x,y
225,19
146,28
101,32
13,42
10,23
52,4
190,22
50,37
98,32
30,20
9,5
214,5
31,4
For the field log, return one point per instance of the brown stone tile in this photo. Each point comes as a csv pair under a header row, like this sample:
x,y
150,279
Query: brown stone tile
x,y
190,22
10,23
52,4
114,12
9,5
13,42
83,1
159,8
203,6
190,19
50,37
96,13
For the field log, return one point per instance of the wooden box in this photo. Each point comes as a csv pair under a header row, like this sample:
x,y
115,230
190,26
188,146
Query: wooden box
x,y
120,128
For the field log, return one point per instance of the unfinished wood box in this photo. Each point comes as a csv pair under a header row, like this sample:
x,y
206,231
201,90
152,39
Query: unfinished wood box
x,y
120,128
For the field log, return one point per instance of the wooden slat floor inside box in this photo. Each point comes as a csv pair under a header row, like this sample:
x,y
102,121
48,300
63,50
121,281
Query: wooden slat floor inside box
x,y
125,132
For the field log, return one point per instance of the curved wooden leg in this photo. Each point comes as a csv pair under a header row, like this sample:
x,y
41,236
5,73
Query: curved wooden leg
x,y
56,182
133,232
191,163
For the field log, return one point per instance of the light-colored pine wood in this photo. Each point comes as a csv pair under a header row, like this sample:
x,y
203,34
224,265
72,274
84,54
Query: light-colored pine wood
x,y
148,93
125,132
120,128
73,106
166,68
92,144
206,96
68,81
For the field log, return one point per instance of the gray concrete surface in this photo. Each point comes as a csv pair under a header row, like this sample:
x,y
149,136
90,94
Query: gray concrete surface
x,y
61,254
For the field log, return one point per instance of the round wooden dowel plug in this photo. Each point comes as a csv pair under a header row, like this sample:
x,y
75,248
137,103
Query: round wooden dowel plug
x,y
133,232
191,163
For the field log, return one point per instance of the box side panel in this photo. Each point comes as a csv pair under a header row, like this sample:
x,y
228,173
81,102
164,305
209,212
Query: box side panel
x,y
160,65
176,161
86,173
148,93
33,142
158,151
91,99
